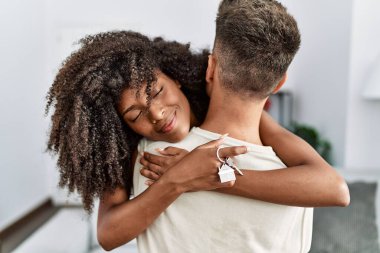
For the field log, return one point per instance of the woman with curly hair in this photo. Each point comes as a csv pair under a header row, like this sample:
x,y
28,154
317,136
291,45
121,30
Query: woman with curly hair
x,y
95,137
93,143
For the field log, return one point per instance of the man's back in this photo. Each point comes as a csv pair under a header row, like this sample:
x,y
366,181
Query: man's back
x,y
208,221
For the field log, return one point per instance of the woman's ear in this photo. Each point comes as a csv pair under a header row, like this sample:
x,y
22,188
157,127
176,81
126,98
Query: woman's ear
x,y
280,83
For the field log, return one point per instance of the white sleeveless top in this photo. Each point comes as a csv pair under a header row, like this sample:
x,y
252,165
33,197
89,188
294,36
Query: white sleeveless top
x,y
208,221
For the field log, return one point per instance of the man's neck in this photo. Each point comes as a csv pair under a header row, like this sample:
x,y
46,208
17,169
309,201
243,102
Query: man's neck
x,y
239,117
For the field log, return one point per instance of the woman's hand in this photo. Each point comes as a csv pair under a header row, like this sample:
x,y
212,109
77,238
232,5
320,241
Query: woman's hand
x,y
156,165
198,170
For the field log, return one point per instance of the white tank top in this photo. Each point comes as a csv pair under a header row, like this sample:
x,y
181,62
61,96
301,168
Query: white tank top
x,y
208,221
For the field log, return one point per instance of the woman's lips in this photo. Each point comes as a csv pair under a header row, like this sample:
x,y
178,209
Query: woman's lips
x,y
170,125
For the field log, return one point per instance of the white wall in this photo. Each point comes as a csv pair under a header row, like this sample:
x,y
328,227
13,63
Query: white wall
x,y
340,44
363,119
319,74
23,179
181,20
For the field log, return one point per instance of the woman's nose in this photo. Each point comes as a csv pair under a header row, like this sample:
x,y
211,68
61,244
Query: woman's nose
x,y
156,112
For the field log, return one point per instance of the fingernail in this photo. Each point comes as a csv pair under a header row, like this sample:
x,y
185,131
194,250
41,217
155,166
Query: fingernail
x,y
159,149
141,153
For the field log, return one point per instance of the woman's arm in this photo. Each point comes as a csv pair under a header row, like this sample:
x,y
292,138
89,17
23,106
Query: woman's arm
x,y
120,220
308,180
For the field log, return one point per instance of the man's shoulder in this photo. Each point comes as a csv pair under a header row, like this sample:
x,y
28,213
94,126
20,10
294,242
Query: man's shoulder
x,y
258,156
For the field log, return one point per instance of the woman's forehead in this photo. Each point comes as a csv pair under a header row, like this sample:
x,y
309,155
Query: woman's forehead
x,y
141,90
137,93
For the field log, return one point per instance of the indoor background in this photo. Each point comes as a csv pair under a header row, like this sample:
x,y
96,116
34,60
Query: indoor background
x,y
330,79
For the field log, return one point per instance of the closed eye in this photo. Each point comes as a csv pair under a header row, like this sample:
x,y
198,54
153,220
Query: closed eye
x,y
141,112
138,115
155,95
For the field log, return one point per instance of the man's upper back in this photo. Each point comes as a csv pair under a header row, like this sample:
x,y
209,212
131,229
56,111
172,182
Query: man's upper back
x,y
208,221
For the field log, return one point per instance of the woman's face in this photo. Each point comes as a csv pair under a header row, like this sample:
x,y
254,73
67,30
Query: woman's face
x,y
168,116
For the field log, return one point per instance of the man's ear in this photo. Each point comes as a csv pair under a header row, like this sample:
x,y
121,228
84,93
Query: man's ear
x,y
210,73
280,83
210,68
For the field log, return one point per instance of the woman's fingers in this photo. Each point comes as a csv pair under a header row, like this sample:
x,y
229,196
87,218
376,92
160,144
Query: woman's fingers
x,y
171,157
232,151
149,174
152,167
212,144
149,158
171,151
149,182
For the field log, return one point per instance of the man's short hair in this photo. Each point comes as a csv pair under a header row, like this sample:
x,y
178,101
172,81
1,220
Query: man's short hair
x,y
255,42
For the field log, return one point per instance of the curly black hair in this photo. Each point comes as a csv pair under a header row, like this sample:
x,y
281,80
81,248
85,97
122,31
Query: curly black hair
x,y
92,142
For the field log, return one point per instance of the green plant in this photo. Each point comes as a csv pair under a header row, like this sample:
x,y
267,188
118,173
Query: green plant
x,y
311,136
